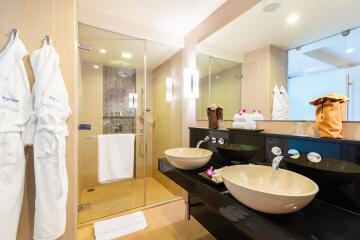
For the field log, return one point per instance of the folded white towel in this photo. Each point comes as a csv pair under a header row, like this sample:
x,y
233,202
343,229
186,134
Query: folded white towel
x,y
239,118
116,157
245,125
253,116
120,226
247,117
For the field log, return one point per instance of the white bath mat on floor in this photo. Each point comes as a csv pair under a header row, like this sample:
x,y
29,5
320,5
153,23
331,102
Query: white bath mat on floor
x,y
120,226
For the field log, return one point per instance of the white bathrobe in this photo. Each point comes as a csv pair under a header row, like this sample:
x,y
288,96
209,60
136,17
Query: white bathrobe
x,y
281,108
15,110
285,103
52,110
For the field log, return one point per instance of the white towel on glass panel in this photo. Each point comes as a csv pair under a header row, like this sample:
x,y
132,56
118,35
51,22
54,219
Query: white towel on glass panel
x,y
116,157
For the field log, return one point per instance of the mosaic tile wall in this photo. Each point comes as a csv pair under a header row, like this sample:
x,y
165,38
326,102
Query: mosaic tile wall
x,y
117,85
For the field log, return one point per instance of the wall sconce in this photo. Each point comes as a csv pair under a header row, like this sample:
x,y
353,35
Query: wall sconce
x,y
191,83
133,100
169,89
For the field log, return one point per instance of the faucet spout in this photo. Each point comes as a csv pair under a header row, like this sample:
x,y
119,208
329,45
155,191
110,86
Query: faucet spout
x,y
207,138
276,162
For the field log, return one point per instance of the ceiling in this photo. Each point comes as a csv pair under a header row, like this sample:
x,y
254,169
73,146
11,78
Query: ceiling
x,y
115,44
255,28
172,16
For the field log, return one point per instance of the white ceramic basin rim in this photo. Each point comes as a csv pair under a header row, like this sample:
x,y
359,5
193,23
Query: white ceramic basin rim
x,y
268,190
188,158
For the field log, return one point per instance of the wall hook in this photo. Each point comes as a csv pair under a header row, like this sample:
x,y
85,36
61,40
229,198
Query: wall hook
x,y
13,33
47,40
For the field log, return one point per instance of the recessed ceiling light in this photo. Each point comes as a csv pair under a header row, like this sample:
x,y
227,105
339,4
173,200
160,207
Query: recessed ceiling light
x,y
126,55
102,50
292,19
96,66
350,50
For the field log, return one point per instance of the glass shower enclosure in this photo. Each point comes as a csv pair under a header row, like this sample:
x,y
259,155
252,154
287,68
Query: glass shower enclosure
x,y
112,100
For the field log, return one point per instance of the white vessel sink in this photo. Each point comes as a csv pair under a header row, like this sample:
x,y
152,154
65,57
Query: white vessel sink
x,y
188,158
267,190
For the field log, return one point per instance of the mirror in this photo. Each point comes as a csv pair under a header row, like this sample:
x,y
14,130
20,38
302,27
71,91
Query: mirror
x,y
305,48
220,84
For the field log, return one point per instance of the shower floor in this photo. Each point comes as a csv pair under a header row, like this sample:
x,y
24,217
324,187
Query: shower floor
x,y
120,196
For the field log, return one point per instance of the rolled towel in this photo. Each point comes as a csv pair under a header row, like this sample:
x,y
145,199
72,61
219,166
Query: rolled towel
x,y
258,116
253,116
239,118
251,125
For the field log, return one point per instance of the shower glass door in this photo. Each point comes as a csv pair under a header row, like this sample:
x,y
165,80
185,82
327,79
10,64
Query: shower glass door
x,y
111,101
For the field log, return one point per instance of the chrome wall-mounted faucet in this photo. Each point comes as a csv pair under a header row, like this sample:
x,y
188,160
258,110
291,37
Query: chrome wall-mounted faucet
x,y
212,139
206,139
293,153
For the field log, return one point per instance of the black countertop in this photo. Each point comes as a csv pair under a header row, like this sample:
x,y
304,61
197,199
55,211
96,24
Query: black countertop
x,y
226,218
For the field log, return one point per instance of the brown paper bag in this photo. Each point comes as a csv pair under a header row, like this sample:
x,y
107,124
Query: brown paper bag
x,y
329,115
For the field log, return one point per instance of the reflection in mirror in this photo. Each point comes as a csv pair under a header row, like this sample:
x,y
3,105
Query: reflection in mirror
x,y
220,84
305,47
202,63
330,65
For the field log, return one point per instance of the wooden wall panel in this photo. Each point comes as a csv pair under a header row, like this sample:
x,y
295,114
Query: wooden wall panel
x,y
34,19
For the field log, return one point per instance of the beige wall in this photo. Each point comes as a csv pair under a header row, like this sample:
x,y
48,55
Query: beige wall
x,y
90,112
166,115
204,100
34,19
226,91
255,92
261,69
278,66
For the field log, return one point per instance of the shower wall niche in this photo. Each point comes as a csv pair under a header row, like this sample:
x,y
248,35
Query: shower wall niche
x,y
118,84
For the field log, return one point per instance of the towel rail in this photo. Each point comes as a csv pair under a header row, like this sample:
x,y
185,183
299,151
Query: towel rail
x,y
96,137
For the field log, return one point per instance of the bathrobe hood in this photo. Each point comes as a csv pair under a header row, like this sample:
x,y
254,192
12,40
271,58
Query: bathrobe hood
x,y
51,101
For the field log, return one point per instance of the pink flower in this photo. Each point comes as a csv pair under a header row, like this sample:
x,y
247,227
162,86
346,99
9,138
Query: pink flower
x,y
242,110
210,171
